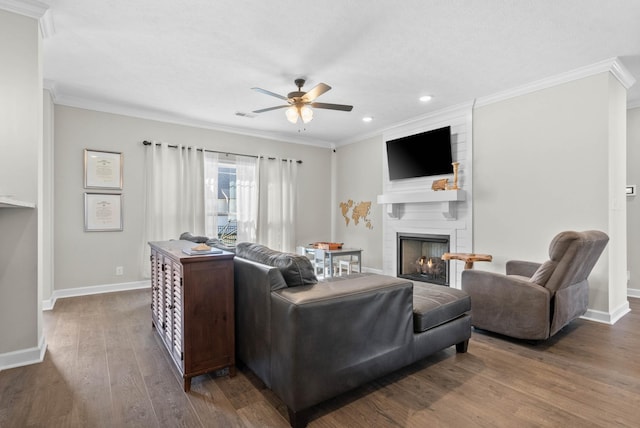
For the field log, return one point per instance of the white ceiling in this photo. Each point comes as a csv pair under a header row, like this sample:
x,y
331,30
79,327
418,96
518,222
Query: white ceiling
x,y
195,61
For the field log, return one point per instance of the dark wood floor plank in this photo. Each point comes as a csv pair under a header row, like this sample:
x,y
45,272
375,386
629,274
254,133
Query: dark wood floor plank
x,y
260,414
212,406
130,399
239,391
576,391
105,367
92,404
170,403
52,394
16,390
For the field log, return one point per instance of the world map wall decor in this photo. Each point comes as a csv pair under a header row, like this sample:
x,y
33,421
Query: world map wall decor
x,y
356,212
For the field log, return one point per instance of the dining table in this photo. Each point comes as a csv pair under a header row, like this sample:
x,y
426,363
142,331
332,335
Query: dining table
x,y
339,252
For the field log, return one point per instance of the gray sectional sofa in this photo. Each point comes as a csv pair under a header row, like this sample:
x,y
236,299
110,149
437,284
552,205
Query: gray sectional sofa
x,y
309,341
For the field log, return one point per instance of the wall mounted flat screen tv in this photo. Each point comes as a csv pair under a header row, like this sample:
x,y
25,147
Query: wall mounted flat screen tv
x,y
420,155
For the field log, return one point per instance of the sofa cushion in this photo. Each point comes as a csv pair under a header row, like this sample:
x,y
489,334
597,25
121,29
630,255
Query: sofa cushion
x,y
436,304
296,269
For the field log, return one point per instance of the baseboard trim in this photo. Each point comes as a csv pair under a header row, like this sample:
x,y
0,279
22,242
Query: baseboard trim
x,y
633,292
48,305
371,270
607,317
23,357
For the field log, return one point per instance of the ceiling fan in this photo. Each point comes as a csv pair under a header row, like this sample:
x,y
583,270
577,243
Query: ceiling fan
x,y
299,103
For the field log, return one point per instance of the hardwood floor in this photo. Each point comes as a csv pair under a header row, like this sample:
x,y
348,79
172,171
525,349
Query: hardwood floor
x,y
104,367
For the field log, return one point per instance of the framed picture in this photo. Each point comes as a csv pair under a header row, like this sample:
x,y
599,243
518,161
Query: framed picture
x,y
102,212
102,170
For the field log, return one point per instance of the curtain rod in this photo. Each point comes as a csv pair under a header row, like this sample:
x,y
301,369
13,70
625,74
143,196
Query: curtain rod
x,y
148,143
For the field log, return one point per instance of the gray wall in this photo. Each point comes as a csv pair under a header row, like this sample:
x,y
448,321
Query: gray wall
x,y
90,258
633,203
20,139
359,178
546,162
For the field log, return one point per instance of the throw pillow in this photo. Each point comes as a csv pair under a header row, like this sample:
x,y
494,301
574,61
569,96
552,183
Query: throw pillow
x,y
187,236
296,269
542,275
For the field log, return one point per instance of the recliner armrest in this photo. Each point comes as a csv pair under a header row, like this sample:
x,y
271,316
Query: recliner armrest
x,y
507,304
511,288
522,268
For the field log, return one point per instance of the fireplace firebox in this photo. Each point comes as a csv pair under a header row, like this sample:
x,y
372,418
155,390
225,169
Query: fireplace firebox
x,y
420,258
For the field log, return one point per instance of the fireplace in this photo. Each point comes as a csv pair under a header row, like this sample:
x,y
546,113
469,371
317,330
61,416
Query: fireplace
x,y
420,258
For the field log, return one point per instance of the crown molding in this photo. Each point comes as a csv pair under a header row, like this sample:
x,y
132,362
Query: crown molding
x,y
621,73
47,29
446,114
31,8
434,119
612,65
59,98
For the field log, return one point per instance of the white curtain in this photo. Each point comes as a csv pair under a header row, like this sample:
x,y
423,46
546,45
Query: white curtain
x,y
211,193
247,198
277,203
174,194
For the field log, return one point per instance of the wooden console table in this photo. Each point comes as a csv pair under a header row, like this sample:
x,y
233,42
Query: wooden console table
x,y
192,308
467,258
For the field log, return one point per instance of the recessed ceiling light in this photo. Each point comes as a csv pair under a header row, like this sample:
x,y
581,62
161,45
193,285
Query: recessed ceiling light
x,y
367,119
425,98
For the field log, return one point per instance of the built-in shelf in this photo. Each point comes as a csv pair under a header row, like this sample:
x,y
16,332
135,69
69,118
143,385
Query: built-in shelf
x,y
9,202
446,198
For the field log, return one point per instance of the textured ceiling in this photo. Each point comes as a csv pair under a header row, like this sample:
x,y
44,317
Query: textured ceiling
x,y
195,61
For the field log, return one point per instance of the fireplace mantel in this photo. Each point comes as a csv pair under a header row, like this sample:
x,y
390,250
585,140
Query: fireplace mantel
x,y
446,199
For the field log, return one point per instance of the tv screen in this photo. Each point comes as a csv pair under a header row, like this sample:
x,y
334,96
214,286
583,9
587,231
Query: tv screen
x,y
420,155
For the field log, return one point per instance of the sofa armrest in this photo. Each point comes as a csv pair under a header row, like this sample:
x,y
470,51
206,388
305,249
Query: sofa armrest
x,y
253,285
509,305
330,337
522,268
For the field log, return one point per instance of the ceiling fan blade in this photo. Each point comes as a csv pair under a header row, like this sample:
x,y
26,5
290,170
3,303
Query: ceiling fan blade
x,y
273,94
262,110
341,107
315,92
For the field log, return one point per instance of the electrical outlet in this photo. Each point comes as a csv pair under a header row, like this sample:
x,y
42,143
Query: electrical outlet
x,y
119,270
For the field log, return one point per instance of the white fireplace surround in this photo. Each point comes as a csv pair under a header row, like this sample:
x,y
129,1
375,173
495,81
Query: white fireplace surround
x,y
411,207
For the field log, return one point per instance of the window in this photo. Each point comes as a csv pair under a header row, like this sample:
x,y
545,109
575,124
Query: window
x,y
227,215
220,199
233,190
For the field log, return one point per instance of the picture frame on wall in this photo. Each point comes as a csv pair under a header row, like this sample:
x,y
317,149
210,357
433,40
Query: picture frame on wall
x,y
103,212
103,169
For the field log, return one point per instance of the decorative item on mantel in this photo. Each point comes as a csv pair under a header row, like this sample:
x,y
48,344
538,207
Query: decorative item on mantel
x,y
456,165
440,184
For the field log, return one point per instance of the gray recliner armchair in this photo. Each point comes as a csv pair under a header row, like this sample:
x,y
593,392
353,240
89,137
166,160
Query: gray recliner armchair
x,y
534,301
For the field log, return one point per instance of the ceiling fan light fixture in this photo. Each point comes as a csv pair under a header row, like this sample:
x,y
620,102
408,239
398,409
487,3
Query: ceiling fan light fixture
x,y
292,114
299,102
425,98
306,114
